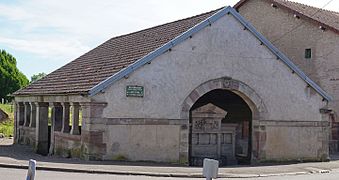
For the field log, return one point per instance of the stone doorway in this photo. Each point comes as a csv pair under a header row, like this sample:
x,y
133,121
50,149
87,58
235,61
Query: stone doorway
x,y
220,128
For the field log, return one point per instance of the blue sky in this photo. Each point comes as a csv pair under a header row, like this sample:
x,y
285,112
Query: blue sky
x,y
46,34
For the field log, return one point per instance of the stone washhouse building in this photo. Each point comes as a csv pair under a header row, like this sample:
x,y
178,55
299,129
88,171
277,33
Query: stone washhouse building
x,y
205,86
309,36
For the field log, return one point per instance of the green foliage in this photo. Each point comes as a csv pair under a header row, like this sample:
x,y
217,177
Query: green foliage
x,y
36,77
11,79
7,128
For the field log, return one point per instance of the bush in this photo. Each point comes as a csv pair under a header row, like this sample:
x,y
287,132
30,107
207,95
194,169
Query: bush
x,y
7,128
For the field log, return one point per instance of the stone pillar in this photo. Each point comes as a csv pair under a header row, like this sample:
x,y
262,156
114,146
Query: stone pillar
x,y
92,131
15,122
75,119
258,141
27,114
42,128
21,113
20,120
57,116
65,118
33,115
56,123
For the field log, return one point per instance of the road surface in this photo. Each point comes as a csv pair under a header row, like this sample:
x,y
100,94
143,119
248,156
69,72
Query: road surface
x,y
17,174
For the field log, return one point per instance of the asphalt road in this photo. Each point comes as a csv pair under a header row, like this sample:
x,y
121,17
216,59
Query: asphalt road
x,y
17,174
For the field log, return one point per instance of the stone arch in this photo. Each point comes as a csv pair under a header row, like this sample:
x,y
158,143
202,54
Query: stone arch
x,y
253,100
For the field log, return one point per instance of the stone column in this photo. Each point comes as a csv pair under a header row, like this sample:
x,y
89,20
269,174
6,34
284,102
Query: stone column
x,y
33,115
92,131
41,129
56,123
75,119
15,122
20,120
57,116
27,114
21,113
65,118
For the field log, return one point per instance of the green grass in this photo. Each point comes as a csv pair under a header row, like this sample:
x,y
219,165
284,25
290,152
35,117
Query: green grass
x,y
7,127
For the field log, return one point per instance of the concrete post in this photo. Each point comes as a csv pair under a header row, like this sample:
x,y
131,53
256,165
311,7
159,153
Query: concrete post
x,y
56,123
33,115
42,128
27,114
75,119
31,170
65,118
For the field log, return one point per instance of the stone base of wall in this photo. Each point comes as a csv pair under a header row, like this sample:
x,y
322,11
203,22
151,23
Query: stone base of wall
x,y
26,135
282,141
157,140
93,147
166,140
67,145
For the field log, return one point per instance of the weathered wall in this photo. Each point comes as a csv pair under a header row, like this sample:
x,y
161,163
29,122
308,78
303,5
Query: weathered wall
x,y
224,49
143,142
221,50
27,135
292,36
67,145
291,141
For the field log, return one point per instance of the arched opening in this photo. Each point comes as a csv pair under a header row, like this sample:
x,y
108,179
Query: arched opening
x,y
220,128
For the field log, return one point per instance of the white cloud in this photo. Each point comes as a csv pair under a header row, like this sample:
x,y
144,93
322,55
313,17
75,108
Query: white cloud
x,y
47,48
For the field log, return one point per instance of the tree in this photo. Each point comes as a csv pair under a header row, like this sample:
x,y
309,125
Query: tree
x,y
36,77
11,79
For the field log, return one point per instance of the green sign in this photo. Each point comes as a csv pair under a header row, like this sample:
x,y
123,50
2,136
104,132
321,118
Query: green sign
x,y
134,91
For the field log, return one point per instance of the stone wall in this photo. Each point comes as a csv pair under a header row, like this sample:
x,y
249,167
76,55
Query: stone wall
x,y
27,135
67,145
276,24
290,141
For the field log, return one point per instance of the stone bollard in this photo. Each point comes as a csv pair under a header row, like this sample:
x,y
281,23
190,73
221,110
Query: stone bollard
x,y
210,168
31,170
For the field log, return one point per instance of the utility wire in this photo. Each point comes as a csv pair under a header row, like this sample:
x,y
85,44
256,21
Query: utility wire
x,y
299,25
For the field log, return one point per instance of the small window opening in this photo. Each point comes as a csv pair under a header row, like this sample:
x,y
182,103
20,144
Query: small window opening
x,y
308,53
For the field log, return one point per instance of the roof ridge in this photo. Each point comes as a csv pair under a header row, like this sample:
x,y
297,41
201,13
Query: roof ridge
x,y
331,11
153,27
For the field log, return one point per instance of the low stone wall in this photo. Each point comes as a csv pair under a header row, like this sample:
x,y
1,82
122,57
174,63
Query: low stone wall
x,y
67,145
27,135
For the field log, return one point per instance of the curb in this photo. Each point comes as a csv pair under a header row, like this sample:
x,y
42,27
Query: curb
x,y
57,169
154,174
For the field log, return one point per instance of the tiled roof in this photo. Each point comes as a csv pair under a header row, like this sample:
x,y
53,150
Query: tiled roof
x,y
80,75
329,19
188,34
